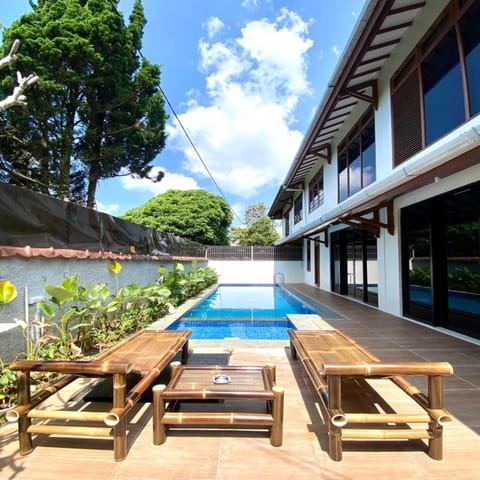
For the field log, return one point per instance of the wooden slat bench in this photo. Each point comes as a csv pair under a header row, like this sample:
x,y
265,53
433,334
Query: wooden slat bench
x,y
145,353
331,359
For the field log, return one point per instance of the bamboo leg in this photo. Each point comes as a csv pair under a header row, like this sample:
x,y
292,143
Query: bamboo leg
x,y
24,438
272,376
334,405
185,352
159,435
435,401
174,366
293,352
120,430
272,373
276,436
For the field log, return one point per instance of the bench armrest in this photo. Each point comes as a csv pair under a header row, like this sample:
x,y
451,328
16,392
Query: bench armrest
x,y
75,368
389,369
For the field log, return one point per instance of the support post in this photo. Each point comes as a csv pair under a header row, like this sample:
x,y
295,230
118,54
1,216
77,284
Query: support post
x,y
159,435
185,352
334,405
435,401
24,422
276,436
120,430
174,367
272,373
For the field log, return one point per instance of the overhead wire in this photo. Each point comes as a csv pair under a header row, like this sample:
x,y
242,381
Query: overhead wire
x,y
196,151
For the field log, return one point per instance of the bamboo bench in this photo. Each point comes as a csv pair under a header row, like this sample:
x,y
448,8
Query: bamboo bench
x,y
145,353
331,358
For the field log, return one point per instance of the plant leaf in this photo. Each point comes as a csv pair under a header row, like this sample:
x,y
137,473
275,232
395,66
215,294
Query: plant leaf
x,y
114,266
8,291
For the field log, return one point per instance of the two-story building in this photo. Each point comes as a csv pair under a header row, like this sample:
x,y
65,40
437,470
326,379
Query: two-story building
x,y
384,191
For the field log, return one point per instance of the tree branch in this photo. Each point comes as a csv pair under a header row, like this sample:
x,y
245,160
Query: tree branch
x,y
17,98
12,55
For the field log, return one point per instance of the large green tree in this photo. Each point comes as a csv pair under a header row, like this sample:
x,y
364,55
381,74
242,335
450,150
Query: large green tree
x,y
193,214
257,228
96,111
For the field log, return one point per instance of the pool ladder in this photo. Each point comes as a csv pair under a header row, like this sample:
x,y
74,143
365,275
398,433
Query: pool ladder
x,y
282,278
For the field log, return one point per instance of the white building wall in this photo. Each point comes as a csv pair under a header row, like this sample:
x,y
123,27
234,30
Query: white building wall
x,y
260,272
325,280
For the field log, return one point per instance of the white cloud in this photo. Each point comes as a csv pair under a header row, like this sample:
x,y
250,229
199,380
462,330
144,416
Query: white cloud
x,y
252,3
213,26
171,181
110,208
244,131
336,50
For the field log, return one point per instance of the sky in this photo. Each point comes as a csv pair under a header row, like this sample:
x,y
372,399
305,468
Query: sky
x,y
244,77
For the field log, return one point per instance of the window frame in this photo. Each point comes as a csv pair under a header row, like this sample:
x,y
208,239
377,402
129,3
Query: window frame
x,y
316,191
286,224
411,70
298,209
355,138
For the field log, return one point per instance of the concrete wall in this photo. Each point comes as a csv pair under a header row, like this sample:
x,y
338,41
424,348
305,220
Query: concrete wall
x,y
31,275
265,272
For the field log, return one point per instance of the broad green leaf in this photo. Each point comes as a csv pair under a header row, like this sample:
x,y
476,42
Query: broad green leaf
x,y
114,266
179,267
61,294
47,309
8,291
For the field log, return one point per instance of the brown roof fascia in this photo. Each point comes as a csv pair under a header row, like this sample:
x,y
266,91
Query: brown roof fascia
x,y
356,92
378,15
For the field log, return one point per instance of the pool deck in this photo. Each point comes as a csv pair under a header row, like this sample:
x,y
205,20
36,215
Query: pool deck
x,y
239,454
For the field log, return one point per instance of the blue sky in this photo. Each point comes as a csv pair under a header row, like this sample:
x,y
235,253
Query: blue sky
x,y
245,78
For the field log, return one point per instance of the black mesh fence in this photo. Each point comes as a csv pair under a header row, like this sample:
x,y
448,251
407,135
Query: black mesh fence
x,y
28,218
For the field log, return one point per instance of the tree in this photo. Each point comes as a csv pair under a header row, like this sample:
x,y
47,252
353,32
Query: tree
x,y
191,214
257,229
97,111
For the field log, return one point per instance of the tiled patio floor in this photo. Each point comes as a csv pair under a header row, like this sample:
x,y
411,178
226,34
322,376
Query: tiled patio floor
x,y
303,455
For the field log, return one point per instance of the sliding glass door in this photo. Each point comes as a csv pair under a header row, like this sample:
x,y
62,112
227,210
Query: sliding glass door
x,y
354,265
441,260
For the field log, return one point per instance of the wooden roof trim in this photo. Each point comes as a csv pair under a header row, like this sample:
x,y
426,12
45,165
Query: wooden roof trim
x,y
357,92
359,50
374,224
378,46
317,151
342,107
406,8
366,72
394,28
380,58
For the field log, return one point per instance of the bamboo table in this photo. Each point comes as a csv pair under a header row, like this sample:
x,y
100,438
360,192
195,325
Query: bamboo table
x,y
189,382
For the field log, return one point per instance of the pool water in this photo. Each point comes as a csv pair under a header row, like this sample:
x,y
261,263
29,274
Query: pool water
x,y
243,311
235,329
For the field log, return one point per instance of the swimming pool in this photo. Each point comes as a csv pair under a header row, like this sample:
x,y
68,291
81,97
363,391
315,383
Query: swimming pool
x,y
255,312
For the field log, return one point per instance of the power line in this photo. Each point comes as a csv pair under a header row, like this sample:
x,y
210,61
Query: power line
x,y
196,151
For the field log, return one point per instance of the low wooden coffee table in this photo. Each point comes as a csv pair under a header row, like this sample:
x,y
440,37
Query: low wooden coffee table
x,y
190,382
